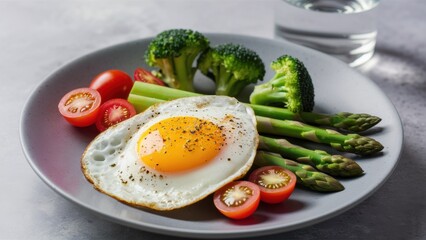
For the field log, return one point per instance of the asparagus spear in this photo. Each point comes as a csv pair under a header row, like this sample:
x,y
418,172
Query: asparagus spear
x,y
354,122
306,175
335,165
353,143
345,121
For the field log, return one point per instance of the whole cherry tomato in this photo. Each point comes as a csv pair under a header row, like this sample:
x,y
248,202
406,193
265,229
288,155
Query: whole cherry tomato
x,y
112,84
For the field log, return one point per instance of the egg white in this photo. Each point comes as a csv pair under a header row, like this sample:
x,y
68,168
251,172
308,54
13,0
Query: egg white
x,y
110,162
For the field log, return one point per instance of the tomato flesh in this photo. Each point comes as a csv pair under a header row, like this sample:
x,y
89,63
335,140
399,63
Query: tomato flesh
x,y
143,75
80,106
114,111
112,84
237,200
276,183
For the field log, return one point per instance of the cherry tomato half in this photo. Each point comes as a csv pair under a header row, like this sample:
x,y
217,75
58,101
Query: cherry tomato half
x,y
114,111
276,183
143,75
80,106
112,84
238,199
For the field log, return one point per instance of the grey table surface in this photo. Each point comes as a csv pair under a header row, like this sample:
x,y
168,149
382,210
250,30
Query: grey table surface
x,y
37,37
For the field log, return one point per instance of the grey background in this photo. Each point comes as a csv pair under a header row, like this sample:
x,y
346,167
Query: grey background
x,y
37,37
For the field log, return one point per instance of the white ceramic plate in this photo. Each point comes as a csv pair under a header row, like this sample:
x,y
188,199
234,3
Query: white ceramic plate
x,y
53,147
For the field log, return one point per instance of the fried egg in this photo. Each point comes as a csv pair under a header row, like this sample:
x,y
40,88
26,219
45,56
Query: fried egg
x,y
174,153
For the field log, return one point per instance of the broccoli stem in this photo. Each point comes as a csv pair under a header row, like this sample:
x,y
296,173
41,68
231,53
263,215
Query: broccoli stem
x,y
184,72
229,87
222,80
306,175
271,93
227,84
353,143
167,68
344,121
335,165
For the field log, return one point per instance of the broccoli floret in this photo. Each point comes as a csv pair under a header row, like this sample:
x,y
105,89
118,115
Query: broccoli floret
x,y
232,67
290,87
174,52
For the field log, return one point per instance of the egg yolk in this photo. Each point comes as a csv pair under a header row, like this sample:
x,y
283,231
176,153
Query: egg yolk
x,y
179,144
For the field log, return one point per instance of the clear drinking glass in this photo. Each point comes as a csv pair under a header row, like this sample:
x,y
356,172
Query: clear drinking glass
x,y
345,29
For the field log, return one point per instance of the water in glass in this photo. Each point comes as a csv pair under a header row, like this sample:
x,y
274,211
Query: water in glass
x,y
343,28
